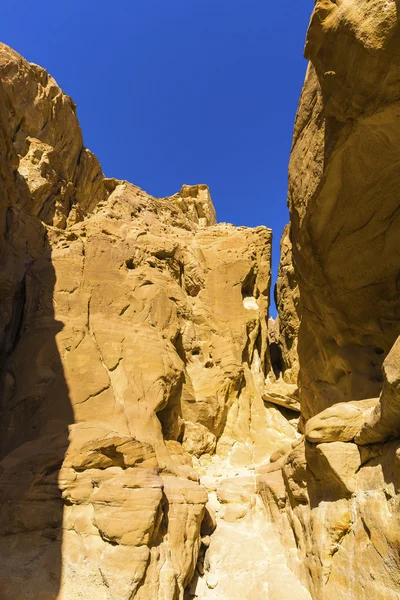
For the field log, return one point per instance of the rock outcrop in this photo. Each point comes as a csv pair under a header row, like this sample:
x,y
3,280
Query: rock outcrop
x,y
336,490
134,363
343,201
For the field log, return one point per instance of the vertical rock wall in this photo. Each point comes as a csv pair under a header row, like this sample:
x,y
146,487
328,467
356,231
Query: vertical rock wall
x,y
337,490
150,443
289,310
344,202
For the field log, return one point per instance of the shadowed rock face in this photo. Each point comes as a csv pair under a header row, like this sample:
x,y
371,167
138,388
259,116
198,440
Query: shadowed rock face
x,y
343,198
34,429
149,411
289,310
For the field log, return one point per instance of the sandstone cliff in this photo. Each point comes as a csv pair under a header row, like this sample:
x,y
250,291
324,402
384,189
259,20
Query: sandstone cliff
x,y
339,485
160,437
135,363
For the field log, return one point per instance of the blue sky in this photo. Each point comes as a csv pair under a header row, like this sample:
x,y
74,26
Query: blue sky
x,y
179,91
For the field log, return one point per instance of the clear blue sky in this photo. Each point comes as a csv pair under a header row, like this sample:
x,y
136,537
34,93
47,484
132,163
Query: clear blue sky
x,y
179,91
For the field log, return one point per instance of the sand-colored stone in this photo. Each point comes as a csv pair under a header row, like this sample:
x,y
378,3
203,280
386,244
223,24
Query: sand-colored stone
x,y
282,394
134,358
340,422
289,310
338,510
384,422
57,177
149,439
343,201
335,466
245,557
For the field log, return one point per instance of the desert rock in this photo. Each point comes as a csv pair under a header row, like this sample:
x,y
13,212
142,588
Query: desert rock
x,y
343,205
336,512
289,310
340,422
134,356
161,437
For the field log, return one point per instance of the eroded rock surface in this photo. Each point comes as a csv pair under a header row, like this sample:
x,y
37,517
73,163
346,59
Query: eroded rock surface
x,y
289,311
335,493
343,201
134,361
150,437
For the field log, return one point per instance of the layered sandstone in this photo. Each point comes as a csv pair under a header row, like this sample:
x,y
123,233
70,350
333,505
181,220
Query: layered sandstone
x,y
150,437
134,367
337,489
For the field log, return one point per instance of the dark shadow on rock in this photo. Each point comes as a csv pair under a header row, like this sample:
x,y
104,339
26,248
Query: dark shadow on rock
x,y
35,412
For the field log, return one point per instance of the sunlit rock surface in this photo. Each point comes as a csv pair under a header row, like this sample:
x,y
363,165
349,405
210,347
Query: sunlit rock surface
x,y
336,493
161,437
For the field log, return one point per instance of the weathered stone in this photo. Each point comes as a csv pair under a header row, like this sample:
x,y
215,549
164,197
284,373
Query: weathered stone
x,y
340,422
341,498
343,204
283,394
289,310
134,355
335,465
149,443
297,475
384,422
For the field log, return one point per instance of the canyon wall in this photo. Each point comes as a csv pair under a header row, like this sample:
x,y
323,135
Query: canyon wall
x,y
343,201
339,489
134,360
161,437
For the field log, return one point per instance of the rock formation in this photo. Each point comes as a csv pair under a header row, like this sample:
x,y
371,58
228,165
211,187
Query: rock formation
x,y
339,487
160,437
134,360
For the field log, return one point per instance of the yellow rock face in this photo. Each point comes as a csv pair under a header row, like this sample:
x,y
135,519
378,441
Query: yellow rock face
x,y
289,310
334,494
134,360
151,414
